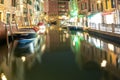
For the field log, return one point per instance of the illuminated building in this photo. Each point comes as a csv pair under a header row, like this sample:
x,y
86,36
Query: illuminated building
x,y
62,7
51,7
20,11
7,10
109,11
55,8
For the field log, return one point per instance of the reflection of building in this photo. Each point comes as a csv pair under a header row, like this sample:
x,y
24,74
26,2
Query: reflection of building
x,y
96,55
93,53
104,51
56,41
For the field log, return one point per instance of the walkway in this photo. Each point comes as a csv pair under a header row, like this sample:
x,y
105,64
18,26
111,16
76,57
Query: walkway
x,y
106,31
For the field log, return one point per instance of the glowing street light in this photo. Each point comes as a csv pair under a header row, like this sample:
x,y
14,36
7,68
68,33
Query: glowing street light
x,y
98,1
3,77
104,63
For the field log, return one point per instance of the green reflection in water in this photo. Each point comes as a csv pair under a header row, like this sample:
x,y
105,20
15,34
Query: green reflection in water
x,y
76,42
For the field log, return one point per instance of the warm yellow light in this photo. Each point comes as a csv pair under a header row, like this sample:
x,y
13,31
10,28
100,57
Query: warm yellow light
x,y
73,43
99,1
43,48
60,29
67,35
111,47
103,63
23,58
3,77
42,1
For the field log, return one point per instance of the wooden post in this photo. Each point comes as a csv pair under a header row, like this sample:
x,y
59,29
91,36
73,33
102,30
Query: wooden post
x,y
113,28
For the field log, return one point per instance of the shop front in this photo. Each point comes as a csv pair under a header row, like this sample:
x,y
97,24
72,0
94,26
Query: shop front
x,y
109,17
94,20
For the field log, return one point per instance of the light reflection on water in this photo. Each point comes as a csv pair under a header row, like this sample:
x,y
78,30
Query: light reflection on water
x,y
100,52
63,55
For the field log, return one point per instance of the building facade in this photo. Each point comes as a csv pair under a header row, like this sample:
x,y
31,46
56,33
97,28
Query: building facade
x,y
55,8
63,7
7,10
51,9
24,12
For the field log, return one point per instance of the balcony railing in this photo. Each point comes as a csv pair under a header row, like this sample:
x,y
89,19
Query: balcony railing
x,y
113,28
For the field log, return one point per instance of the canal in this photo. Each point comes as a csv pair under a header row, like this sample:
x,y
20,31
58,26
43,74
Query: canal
x,y
61,55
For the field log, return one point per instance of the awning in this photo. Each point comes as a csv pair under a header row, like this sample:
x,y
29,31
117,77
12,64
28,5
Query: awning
x,y
108,12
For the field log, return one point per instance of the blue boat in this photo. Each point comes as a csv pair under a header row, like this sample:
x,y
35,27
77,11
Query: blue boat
x,y
24,47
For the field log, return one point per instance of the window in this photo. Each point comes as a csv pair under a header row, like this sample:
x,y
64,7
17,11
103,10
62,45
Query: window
x,y
118,1
0,16
92,7
13,17
29,2
101,7
2,1
13,3
8,17
37,8
106,4
89,5
97,6
25,10
30,12
83,6
113,3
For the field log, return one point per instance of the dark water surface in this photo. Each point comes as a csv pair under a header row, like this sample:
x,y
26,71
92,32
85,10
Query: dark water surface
x,y
60,55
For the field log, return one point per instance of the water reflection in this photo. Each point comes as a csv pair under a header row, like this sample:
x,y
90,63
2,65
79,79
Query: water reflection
x,y
57,40
4,62
93,53
20,56
61,55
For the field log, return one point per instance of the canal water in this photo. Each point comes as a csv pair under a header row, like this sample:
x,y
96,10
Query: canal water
x,y
61,55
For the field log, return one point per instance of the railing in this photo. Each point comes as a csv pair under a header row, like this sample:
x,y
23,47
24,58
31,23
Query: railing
x,y
9,29
113,28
